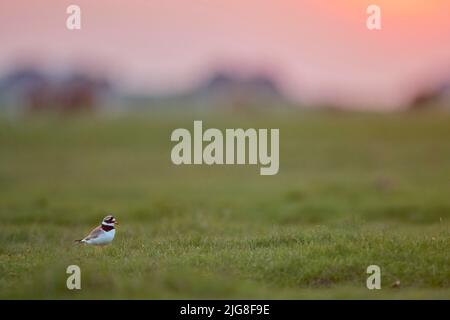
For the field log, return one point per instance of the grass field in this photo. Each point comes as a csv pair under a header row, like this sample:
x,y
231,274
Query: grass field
x,y
352,190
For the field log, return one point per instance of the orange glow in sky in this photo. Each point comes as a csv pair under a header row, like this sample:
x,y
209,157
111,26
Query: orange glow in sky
x,y
320,49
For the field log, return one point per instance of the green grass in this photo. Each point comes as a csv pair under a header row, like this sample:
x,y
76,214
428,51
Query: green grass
x,y
353,190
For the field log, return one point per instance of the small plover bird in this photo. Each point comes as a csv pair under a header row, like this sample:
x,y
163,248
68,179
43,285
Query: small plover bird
x,y
103,234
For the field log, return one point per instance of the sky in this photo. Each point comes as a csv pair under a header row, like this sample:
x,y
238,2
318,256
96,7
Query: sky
x,y
319,50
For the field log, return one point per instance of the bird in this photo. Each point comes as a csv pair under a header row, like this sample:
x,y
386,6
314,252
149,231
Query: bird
x,y
103,234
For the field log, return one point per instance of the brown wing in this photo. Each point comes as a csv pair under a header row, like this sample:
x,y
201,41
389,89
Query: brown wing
x,y
94,233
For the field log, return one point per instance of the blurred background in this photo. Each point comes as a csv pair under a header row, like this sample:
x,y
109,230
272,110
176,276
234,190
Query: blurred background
x,y
226,54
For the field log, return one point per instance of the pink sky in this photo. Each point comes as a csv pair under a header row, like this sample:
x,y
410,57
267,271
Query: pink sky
x,y
320,49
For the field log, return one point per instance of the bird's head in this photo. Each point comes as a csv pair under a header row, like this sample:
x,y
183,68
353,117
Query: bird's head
x,y
109,220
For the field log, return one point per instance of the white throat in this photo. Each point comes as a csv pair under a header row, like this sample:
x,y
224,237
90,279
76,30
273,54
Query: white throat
x,y
108,224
